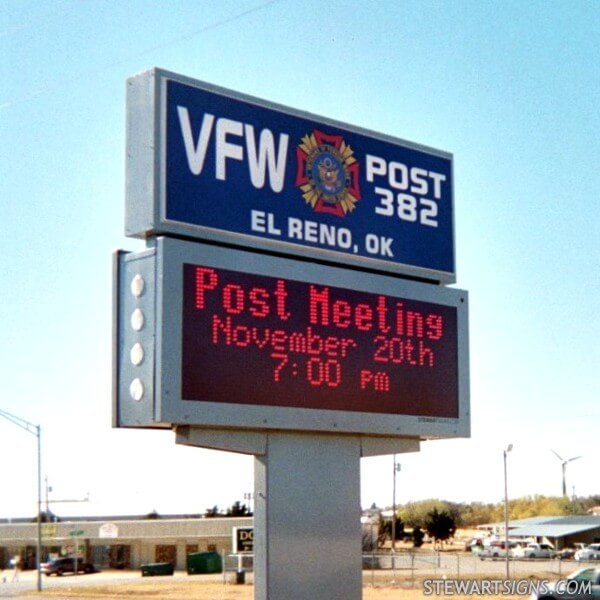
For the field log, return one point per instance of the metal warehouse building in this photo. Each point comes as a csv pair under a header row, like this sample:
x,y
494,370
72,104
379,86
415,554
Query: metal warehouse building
x,y
120,542
562,532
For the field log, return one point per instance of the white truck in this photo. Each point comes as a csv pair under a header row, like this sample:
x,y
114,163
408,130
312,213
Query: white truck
x,y
535,551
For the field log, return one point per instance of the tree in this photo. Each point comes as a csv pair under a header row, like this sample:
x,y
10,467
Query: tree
x,y
465,514
418,536
399,529
440,525
369,536
478,513
237,509
385,529
415,514
46,517
213,512
572,507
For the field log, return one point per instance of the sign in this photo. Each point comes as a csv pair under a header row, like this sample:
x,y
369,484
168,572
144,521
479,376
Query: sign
x,y
209,163
240,340
304,344
76,532
243,540
48,531
108,530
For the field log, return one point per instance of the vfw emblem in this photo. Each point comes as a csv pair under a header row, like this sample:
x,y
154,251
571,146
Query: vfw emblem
x,y
327,173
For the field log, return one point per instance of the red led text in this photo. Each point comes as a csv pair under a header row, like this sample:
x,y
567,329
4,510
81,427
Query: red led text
x,y
256,301
323,336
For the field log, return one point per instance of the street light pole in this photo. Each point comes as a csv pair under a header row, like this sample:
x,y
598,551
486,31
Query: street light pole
x,y
38,551
506,550
396,469
37,431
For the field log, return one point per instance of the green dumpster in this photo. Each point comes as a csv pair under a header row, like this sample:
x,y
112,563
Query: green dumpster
x,y
158,568
204,562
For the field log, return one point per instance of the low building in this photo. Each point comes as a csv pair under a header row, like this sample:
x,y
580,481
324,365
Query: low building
x,y
561,532
120,543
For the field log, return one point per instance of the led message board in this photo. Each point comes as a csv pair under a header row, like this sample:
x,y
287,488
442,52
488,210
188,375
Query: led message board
x,y
213,164
253,339
258,342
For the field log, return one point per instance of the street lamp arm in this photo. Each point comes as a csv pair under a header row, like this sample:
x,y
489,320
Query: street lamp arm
x,y
22,423
86,499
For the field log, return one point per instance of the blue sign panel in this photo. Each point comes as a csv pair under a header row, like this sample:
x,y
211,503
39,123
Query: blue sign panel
x,y
242,170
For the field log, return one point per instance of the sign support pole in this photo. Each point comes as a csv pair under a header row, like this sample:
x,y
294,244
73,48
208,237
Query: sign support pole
x,y
307,529
307,536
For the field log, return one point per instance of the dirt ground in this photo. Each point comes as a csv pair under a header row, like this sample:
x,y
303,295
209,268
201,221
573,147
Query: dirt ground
x,y
216,591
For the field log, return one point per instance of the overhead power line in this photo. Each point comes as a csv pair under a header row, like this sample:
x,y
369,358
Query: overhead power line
x,y
182,38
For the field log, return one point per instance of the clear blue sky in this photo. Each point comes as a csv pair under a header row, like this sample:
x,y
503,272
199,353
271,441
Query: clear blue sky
x,y
511,88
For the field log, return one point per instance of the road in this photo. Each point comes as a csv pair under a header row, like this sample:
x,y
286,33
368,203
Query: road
x,y
26,587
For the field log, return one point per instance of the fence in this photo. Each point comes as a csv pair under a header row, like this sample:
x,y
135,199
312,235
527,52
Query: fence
x,y
412,566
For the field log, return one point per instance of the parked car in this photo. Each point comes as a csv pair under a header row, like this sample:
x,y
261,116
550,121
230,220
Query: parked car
x,y
569,552
59,566
583,584
591,552
473,544
497,550
535,551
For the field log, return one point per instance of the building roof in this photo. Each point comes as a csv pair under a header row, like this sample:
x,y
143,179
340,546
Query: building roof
x,y
555,527
550,526
136,529
576,519
516,523
552,530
